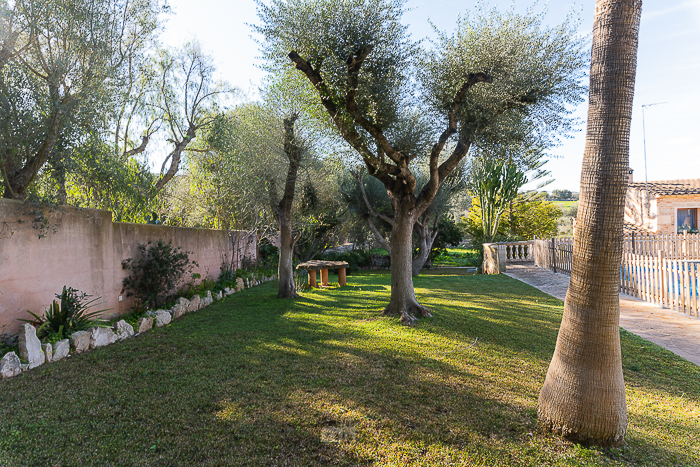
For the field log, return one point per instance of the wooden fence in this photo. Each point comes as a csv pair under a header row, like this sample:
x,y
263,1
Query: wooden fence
x,y
672,283
676,246
662,269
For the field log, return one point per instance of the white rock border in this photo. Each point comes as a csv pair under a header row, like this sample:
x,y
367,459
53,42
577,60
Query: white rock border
x,y
82,341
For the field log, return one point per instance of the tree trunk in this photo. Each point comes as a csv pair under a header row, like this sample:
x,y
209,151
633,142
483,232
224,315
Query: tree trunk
x,y
425,244
583,397
403,301
285,269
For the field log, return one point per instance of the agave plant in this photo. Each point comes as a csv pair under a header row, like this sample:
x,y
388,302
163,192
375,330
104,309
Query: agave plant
x,y
70,315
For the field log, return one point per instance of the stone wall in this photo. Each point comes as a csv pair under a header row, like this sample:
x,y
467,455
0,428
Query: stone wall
x,y
494,258
667,221
641,209
84,249
658,214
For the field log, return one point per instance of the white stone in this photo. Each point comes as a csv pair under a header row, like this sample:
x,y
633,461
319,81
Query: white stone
x,y
240,285
48,352
210,299
162,318
60,350
10,365
144,324
178,310
195,303
123,330
80,341
219,296
184,303
30,346
100,337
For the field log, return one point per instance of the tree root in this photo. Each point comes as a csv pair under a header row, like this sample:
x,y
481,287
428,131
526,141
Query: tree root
x,y
409,314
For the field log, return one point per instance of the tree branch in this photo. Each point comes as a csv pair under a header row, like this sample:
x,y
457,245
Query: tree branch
x,y
438,174
348,131
380,238
372,212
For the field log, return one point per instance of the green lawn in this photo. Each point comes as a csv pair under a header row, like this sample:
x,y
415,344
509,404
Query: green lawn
x,y
324,381
564,205
458,257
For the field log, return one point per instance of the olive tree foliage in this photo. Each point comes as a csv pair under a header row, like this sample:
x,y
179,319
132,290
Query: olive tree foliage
x,y
388,97
62,67
367,200
188,100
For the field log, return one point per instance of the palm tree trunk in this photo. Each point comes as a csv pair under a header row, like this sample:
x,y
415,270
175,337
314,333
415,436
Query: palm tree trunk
x,y
583,397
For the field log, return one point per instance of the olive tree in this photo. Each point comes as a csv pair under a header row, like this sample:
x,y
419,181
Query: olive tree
x,y
373,80
367,199
62,65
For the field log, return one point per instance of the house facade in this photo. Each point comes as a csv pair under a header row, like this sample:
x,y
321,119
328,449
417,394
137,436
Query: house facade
x,y
663,206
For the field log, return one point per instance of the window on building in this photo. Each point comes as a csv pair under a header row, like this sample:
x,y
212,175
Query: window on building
x,y
687,220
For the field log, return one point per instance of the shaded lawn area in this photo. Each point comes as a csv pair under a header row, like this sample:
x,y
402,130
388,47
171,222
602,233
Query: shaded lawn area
x,y
324,380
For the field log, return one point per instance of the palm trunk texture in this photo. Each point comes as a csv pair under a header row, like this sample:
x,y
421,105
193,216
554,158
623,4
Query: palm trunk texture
x,y
583,397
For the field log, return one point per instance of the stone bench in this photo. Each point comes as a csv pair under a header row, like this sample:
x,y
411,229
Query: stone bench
x,y
324,266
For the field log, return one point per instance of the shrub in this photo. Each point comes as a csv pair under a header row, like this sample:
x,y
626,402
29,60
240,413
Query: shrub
x,y
356,259
72,314
156,272
449,234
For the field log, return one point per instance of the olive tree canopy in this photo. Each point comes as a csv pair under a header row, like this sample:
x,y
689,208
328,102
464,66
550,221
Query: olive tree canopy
x,y
395,101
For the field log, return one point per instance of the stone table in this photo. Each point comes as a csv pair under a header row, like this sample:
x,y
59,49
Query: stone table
x,y
324,266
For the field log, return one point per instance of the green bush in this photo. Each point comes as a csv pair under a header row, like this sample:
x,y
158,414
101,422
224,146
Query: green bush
x,y
449,234
8,343
156,272
356,259
62,319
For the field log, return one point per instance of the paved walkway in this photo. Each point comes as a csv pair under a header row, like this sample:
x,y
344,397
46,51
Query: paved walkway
x,y
670,329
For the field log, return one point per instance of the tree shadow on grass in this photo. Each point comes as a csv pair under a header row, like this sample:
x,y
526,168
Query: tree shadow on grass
x,y
256,381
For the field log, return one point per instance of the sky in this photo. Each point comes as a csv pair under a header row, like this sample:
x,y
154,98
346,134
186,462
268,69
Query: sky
x,y
668,71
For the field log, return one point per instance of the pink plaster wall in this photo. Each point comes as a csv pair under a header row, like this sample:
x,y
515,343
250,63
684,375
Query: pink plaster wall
x,y
85,252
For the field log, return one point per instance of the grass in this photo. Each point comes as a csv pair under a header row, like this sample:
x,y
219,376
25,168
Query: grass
x,y
564,205
324,380
458,257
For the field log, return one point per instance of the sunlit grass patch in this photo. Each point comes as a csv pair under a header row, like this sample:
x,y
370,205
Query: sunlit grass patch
x,y
325,380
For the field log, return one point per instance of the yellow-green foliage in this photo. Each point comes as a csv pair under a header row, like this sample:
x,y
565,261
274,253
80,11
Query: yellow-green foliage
x,y
527,218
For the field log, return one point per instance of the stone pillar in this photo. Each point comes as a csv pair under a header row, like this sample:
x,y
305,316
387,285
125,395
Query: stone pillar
x,y
324,277
494,258
341,276
312,278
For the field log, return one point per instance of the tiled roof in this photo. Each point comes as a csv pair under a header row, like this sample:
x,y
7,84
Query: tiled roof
x,y
670,187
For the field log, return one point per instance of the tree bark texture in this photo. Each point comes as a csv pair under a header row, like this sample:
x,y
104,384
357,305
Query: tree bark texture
x,y
285,270
583,397
403,301
426,238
